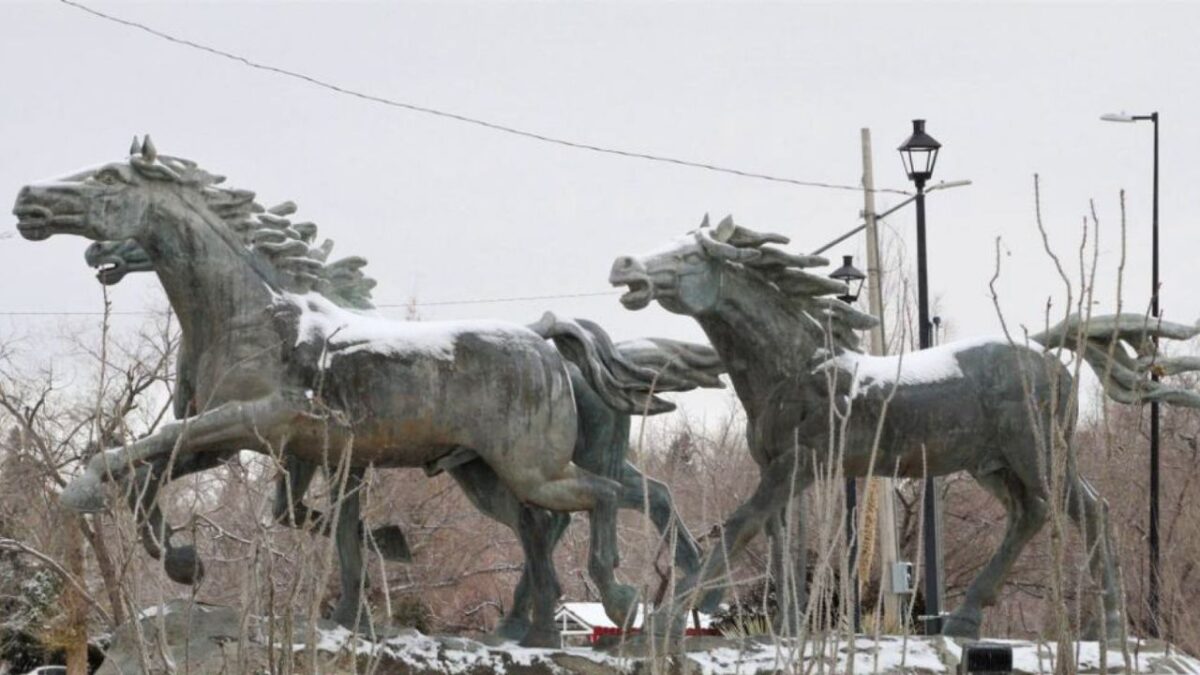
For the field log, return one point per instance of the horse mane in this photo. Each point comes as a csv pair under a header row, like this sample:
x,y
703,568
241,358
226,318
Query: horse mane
x,y
289,248
826,317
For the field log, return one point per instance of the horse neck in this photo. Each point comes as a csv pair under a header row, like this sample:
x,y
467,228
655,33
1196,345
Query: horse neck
x,y
760,336
209,280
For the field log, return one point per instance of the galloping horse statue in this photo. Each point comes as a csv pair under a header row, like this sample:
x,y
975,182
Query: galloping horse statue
x,y
278,366
980,406
602,446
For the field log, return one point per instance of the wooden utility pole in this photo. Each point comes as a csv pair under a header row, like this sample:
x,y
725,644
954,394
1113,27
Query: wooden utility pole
x,y
879,503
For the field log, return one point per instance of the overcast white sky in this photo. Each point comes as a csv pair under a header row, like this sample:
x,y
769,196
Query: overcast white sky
x,y
447,211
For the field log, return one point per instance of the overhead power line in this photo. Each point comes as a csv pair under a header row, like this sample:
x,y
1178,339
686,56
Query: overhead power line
x,y
494,126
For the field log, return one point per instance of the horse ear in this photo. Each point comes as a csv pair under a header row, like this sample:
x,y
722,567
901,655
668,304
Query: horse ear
x,y
725,229
136,147
703,223
149,152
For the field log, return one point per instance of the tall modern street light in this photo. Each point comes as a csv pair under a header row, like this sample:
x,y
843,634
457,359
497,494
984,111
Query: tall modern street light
x,y
1152,601
919,154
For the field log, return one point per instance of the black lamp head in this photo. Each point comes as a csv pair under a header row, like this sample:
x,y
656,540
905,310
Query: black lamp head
x,y
851,276
919,154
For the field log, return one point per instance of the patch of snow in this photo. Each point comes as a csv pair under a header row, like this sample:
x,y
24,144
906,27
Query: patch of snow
x,y
937,364
592,614
679,245
347,332
887,654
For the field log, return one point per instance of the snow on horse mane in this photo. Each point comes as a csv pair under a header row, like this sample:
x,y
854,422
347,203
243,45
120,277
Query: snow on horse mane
x,y
937,364
347,332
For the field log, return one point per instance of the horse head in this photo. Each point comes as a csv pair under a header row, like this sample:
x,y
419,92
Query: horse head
x,y
695,274
687,275
112,260
110,201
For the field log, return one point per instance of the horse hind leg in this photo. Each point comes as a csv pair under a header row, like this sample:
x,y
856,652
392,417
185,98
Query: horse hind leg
x,y
576,490
518,619
1027,508
1088,512
531,619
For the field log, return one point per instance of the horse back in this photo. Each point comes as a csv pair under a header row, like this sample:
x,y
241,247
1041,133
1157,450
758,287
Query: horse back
x,y
408,408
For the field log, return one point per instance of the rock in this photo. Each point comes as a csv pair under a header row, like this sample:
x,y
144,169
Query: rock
x,y
194,636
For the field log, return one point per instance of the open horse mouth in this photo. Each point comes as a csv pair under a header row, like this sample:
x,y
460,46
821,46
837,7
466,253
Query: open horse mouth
x,y
640,292
628,271
110,273
113,260
34,221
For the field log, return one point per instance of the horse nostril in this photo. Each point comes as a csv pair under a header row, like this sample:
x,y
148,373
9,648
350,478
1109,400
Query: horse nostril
x,y
625,261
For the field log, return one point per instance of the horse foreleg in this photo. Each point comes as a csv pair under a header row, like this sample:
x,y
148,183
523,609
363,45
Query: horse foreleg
x,y
619,599
639,492
231,426
182,564
348,538
774,488
1026,509
289,508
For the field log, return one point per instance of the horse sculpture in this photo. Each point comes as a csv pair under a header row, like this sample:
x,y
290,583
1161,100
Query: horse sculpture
x,y
601,448
277,366
981,406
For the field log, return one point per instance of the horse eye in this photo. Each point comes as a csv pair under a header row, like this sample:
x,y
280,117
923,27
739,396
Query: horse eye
x,y
108,178
693,258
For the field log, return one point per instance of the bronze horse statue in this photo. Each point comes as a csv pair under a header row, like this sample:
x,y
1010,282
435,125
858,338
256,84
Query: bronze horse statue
x,y
278,365
601,448
980,406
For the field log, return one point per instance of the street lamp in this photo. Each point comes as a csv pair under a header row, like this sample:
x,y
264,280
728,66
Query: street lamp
x,y
1153,600
849,275
919,154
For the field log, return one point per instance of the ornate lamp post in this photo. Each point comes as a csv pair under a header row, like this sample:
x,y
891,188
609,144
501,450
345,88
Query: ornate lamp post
x,y
919,154
853,278
1152,601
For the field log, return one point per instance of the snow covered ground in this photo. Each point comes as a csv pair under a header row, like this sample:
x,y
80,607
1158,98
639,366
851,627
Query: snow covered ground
x,y
888,654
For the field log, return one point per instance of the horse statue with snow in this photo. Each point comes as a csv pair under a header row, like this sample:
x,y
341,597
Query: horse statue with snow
x,y
602,447
988,407
277,362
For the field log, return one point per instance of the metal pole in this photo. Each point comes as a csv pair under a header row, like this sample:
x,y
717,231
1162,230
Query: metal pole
x,y
933,587
1155,570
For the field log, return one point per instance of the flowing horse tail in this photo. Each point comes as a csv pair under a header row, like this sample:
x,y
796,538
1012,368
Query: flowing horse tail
x,y
1122,350
629,377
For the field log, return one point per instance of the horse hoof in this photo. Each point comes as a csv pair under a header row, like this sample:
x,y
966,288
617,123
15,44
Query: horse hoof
x,y
620,602
85,494
711,601
391,543
542,637
512,628
961,627
352,618
183,566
